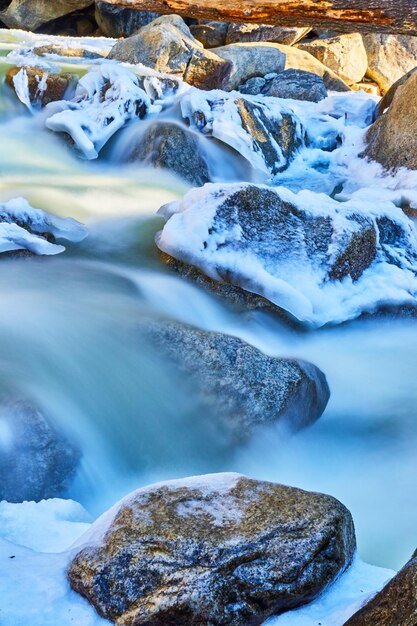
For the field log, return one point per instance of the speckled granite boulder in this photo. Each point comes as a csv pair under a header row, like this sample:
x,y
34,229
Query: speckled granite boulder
x,y
213,550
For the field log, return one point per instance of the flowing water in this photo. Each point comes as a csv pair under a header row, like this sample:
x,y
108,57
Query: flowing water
x,y
68,340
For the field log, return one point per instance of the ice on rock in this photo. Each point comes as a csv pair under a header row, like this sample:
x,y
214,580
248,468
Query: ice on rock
x,y
25,228
264,131
106,98
322,261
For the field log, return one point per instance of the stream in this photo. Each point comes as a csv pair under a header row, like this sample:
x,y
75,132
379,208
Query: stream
x,y
68,342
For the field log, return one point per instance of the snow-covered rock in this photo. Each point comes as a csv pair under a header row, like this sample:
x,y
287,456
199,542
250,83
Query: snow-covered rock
x,y
321,260
219,549
23,228
36,87
106,98
265,132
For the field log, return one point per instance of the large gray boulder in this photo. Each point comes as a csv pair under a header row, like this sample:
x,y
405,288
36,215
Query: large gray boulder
x,y
167,45
36,461
220,549
392,139
31,14
241,388
314,257
117,21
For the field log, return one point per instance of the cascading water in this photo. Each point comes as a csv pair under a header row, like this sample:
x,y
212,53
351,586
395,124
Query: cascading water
x,y
69,343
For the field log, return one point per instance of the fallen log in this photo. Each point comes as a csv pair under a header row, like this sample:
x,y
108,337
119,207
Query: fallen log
x,y
389,16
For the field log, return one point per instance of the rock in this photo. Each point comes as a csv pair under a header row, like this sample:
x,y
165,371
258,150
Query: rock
x,y
41,86
36,461
85,27
298,85
167,45
210,34
368,87
118,22
241,388
344,54
244,33
27,231
296,250
267,136
250,60
31,14
170,146
253,86
386,101
389,58
395,604
106,98
220,549
296,59
392,139
62,51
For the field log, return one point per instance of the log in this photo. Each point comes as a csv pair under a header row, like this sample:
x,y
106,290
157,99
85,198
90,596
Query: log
x,y
384,16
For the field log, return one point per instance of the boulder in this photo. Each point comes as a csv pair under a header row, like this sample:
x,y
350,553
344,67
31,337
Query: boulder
x,y
344,54
389,58
219,549
31,14
244,33
210,34
36,461
298,85
303,252
395,604
267,135
39,86
173,147
386,101
250,60
392,139
239,387
118,22
296,59
167,45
